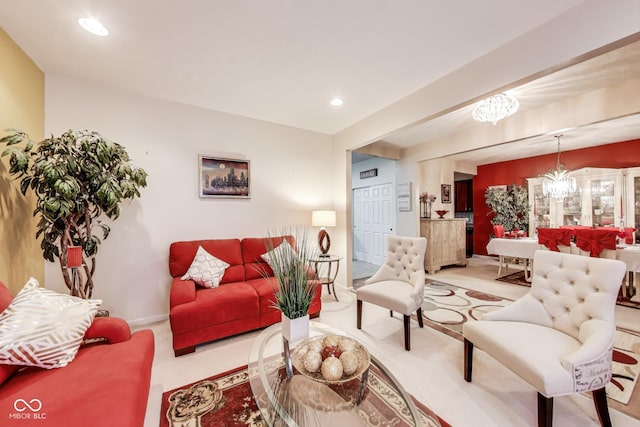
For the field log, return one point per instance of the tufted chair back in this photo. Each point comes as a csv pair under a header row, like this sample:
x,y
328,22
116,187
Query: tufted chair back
x,y
404,262
559,336
572,291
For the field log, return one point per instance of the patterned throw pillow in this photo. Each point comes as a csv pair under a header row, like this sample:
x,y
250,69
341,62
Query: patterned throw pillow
x,y
44,328
206,270
284,253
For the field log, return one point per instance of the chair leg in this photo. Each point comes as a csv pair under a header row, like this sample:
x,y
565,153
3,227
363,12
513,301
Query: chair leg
x,y
602,409
359,316
391,313
468,360
419,313
545,411
407,335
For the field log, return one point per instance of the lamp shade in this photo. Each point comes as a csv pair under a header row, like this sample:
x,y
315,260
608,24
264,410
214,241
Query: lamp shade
x,y
323,218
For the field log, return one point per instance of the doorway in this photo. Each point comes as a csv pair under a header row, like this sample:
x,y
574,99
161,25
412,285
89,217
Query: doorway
x,y
373,222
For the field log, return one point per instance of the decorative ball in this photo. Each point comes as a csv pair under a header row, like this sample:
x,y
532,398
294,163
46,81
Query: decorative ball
x,y
330,340
312,361
346,344
302,350
331,369
315,345
349,362
330,350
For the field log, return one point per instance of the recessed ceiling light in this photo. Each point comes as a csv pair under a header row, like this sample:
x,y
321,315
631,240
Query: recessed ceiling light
x,y
93,26
336,102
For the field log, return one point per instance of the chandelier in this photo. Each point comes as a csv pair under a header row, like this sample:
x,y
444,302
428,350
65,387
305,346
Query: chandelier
x,y
495,108
557,183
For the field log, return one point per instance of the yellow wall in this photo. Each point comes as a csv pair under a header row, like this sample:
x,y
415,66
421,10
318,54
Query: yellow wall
x,y
21,107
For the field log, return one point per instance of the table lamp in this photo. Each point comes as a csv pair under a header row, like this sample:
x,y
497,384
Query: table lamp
x,y
323,219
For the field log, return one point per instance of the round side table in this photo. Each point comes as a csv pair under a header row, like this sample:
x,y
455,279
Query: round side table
x,y
332,263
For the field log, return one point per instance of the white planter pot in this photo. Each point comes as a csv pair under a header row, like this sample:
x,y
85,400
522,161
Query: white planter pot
x,y
295,329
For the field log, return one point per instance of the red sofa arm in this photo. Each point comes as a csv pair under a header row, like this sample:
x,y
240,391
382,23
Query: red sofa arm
x,y
182,292
113,329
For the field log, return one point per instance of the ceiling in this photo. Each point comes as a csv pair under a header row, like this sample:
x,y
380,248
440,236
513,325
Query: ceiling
x,y
610,68
278,61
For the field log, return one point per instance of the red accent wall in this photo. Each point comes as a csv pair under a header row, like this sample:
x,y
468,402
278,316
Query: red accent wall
x,y
619,155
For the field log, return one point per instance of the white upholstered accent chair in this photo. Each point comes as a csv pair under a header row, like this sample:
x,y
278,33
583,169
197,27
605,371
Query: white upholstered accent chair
x,y
559,336
399,283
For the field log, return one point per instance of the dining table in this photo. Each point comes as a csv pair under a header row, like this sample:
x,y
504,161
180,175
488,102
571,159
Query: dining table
x,y
521,249
524,249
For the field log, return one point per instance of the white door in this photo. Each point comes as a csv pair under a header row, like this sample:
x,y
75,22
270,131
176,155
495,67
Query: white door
x,y
373,221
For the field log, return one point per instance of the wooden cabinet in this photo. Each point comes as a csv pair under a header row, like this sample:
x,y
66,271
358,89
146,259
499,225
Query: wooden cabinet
x,y
446,242
464,195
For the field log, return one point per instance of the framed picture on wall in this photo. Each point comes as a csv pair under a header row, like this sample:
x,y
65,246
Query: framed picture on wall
x,y
221,177
446,193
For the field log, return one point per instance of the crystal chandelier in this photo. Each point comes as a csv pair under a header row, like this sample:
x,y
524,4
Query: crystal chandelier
x,y
557,183
495,108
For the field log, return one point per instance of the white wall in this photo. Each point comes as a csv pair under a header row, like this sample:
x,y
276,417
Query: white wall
x,y
291,174
386,172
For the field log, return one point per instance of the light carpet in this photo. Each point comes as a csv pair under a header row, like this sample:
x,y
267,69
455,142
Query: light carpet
x,y
446,307
227,400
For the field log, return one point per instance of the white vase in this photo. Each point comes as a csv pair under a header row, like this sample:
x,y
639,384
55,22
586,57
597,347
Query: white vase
x,y
295,329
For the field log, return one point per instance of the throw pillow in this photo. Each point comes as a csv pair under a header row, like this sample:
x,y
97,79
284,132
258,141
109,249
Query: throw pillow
x,y
44,328
283,253
206,270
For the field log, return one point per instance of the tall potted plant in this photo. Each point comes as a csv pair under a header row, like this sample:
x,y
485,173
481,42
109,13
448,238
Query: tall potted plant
x,y
78,178
295,291
509,208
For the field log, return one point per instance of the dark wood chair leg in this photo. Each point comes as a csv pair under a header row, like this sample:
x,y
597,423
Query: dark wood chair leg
x,y
407,335
602,409
468,360
182,351
419,313
545,411
391,313
359,323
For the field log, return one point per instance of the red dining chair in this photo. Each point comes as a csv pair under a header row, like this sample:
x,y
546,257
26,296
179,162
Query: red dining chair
x,y
595,242
498,231
554,237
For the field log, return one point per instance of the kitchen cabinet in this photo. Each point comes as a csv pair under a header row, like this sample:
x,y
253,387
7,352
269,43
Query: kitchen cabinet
x,y
596,202
446,242
464,195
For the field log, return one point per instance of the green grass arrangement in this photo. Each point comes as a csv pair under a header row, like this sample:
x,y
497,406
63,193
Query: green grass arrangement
x,y
291,269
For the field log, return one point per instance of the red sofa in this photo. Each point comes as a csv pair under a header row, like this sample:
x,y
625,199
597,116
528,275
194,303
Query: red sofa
x,y
107,384
243,301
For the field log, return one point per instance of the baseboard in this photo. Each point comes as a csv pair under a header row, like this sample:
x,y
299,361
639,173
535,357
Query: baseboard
x,y
146,321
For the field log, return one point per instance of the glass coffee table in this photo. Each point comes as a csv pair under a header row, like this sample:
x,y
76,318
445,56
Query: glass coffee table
x,y
288,398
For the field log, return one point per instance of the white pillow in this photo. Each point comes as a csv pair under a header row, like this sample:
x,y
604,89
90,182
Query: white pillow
x,y
284,252
206,270
44,328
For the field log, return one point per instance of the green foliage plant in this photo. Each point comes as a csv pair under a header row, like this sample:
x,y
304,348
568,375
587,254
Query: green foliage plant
x,y
79,178
291,270
509,208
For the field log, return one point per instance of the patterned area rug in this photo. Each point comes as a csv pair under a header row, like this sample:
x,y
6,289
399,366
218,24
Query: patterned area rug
x,y
517,278
226,400
447,307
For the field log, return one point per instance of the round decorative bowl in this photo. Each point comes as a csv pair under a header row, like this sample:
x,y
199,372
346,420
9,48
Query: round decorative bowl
x,y
318,344
441,213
